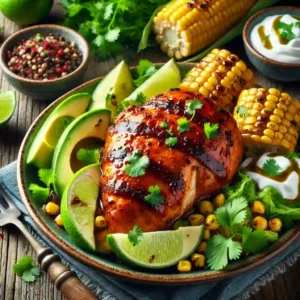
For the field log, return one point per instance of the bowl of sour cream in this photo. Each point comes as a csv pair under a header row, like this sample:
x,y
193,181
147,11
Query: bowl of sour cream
x,y
272,42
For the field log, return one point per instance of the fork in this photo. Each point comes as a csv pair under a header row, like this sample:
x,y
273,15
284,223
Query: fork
x,y
65,280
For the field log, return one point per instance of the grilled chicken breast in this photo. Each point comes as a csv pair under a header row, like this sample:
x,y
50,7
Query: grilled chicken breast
x,y
193,168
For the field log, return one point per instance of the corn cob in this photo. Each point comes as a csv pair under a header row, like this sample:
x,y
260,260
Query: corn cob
x,y
267,120
220,76
184,27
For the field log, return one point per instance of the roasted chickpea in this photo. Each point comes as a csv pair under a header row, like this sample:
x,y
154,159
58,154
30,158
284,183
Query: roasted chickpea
x,y
206,207
196,219
259,223
219,200
275,224
211,222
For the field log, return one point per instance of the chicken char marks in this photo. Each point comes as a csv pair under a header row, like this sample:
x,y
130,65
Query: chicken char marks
x,y
193,168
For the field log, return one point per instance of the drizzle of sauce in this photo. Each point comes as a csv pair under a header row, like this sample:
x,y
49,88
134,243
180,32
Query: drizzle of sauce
x,y
282,40
264,38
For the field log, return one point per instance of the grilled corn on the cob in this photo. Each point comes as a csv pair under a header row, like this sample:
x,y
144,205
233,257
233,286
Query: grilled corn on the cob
x,y
184,27
267,120
220,76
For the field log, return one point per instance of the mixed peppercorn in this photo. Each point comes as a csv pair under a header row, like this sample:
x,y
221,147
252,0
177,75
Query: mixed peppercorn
x,y
44,57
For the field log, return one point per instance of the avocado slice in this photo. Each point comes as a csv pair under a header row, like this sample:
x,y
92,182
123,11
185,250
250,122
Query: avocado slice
x,y
92,124
42,148
113,88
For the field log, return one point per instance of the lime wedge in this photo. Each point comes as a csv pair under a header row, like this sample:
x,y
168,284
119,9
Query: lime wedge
x,y
7,106
157,249
78,206
167,77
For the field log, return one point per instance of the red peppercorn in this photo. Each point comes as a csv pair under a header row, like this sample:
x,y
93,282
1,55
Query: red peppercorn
x,y
60,52
46,45
58,70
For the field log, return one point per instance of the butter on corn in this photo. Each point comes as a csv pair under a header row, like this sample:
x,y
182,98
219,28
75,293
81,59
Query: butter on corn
x,y
184,27
220,76
268,120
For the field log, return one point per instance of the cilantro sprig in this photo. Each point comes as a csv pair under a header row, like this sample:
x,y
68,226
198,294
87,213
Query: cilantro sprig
x,y
211,130
135,236
145,70
90,156
154,197
137,164
191,106
171,141
41,193
26,269
271,167
183,125
286,30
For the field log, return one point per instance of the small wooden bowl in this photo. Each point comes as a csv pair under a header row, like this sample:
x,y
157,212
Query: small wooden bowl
x,y
279,71
38,89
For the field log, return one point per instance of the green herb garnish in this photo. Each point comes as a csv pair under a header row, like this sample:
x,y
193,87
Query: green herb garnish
x,y
183,125
164,125
192,105
242,111
271,167
144,71
135,236
90,156
154,197
286,30
40,193
171,141
26,269
137,165
211,131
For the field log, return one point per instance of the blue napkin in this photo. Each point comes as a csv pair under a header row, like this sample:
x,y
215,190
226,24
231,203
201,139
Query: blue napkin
x,y
109,288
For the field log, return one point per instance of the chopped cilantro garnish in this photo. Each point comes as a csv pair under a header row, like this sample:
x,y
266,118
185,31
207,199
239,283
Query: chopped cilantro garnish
x,y
40,193
138,165
292,155
164,125
135,235
192,105
286,30
271,167
90,156
154,197
171,141
183,125
211,131
26,269
242,111
145,70
170,132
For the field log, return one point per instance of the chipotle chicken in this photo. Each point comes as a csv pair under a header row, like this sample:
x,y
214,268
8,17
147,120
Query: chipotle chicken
x,y
140,160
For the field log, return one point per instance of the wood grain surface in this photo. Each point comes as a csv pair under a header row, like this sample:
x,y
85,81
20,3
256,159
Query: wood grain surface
x,y
14,245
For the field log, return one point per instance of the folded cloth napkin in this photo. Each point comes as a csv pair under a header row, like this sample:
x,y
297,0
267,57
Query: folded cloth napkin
x,y
109,287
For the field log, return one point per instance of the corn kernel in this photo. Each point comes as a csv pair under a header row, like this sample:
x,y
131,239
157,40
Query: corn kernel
x,y
100,222
206,208
241,65
206,234
275,224
203,91
259,223
58,221
269,133
52,209
275,119
219,200
202,247
266,139
272,98
270,104
184,266
274,92
198,260
211,222
258,207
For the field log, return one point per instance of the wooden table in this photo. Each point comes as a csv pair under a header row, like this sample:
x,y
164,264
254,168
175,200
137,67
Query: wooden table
x,y
14,246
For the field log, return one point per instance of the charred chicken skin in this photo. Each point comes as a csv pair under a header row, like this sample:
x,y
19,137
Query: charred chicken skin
x,y
192,169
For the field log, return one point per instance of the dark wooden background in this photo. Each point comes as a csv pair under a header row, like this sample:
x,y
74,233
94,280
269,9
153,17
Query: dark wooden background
x,y
14,246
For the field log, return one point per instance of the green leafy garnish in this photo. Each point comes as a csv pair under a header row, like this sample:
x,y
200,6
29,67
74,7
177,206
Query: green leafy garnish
x,y
271,167
135,236
110,98
267,36
183,125
286,30
90,156
144,71
38,37
164,125
154,197
211,131
26,269
170,132
171,141
254,241
137,165
138,100
41,193
192,105
292,155
218,108
242,111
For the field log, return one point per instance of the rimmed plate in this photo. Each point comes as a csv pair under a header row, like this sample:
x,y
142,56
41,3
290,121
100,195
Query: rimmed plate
x,y
27,175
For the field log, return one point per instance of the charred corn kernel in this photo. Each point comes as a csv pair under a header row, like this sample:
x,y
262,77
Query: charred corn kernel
x,y
196,219
259,223
211,222
202,247
258,207
206,234
100,222
52,209
198,260
183,29
184,266
275,224
206,207
219,200
222,81
58,221
265,122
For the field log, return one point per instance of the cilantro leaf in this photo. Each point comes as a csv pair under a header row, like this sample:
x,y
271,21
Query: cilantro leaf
x,y
138,165
211,131
271,235
292,155
89,156
154,197
286,30
108,11
145,70
242,111
135,236
112,35
254,241
164,125
171,141
183,125
219,249
138,100
46,176
271,167
192,105
26,269
40,194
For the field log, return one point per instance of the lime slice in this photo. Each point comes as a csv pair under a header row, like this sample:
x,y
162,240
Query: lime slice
x,y
157,249
167,77
7,106
78,206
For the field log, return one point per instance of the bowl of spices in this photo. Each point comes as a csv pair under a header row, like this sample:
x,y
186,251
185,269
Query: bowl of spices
x,y
44,61
272,42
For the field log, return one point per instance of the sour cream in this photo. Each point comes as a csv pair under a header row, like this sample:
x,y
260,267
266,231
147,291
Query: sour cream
x,y
278,38
287,182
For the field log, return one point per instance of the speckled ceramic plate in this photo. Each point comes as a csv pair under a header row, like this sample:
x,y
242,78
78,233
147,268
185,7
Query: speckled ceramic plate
x,y
27,175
